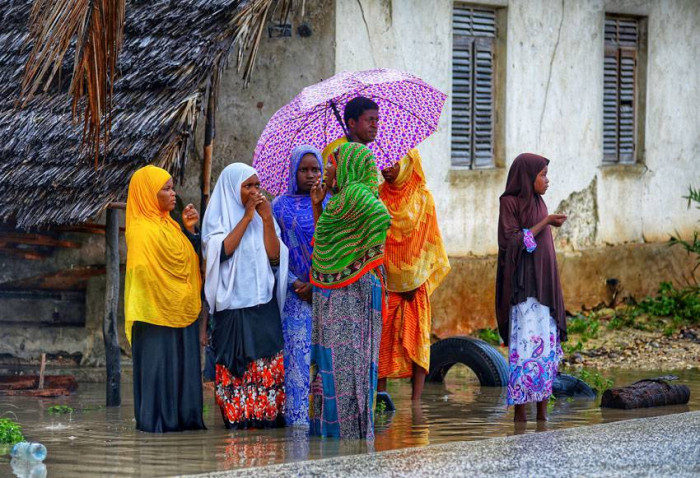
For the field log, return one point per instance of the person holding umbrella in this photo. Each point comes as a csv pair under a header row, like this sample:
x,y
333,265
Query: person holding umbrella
x,y
346,108
361,119
348,297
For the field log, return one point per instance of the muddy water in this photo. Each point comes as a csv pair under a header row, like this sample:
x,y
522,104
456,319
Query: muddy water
x,y
94,441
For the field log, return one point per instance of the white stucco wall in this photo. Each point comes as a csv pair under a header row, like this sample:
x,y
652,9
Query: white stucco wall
x,y
553,106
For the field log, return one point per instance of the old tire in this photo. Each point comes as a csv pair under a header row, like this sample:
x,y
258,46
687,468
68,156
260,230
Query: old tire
x,y
569,386
485,361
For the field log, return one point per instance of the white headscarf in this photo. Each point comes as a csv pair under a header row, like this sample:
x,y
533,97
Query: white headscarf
x,y
246,279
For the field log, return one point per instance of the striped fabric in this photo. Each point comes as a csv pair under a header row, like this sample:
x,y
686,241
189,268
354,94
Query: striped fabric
x,y
414,250
350,234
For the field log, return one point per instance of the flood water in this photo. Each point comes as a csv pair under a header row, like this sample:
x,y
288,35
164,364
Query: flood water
x,y
95,441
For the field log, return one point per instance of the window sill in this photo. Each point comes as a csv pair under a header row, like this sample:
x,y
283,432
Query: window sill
x,y
465,176
623,170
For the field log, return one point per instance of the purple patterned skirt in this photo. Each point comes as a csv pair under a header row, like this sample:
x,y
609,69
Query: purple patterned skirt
x,y
534,352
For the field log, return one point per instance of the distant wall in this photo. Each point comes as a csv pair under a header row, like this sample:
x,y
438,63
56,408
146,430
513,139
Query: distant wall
x,y
553,106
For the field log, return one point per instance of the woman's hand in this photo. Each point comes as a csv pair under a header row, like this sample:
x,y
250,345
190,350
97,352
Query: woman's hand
x,y
263,207
251,205
203,337
318,193
330,174
303,290
556,220
190,217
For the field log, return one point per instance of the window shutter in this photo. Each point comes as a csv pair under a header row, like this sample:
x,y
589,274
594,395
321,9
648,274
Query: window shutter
x,y
483,103
619,90
474,31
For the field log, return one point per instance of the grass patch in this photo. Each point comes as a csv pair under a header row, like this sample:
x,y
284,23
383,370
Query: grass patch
x,y
594,380
60,409
10,431
490,336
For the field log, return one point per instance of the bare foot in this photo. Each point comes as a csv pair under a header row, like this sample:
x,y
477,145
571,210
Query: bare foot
x,y
542,411
520,414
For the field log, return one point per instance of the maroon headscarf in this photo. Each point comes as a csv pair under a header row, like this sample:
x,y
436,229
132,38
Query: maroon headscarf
x,y
521,275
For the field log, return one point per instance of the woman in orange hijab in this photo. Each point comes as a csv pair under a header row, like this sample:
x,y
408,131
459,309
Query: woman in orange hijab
x,y
416,263
161,305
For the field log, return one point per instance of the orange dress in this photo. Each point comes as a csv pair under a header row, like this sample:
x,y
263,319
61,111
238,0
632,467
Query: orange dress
x,y
415,259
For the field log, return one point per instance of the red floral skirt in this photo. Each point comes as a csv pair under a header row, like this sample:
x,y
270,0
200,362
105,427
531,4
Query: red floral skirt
x,y
255,400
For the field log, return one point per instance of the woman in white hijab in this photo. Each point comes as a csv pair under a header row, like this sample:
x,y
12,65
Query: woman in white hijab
x,y
244,261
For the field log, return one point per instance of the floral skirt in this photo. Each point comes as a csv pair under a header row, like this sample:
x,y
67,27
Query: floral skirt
x,y
254,400
344,352
534,352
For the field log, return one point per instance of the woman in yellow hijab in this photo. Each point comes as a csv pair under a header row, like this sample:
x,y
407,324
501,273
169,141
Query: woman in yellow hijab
x,y
416,263
161,306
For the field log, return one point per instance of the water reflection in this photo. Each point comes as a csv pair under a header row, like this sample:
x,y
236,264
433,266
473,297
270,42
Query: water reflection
x,y
95,441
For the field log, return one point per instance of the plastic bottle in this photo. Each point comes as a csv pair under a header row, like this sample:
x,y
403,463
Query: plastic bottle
x,y
28,469
29,451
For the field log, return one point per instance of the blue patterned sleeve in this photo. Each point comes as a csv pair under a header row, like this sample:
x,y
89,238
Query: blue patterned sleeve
x,y
529,241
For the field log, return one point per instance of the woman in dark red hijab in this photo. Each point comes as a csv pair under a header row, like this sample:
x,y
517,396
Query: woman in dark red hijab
x,y
529,302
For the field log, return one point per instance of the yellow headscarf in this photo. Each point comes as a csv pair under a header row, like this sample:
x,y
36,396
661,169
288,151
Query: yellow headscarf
x,y
163,282
414,251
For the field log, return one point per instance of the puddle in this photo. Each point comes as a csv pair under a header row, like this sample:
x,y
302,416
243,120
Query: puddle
x,y
95,441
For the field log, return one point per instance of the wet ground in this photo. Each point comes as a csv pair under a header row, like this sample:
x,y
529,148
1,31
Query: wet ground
x,y
94,441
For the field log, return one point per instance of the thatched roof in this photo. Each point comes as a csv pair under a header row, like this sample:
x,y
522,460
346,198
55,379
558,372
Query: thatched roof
x,y
170,53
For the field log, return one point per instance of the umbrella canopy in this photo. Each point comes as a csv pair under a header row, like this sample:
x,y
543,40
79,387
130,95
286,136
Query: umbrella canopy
x,y
409,110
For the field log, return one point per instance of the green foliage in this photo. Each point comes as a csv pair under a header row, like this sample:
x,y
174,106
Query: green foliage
x,y
60,409
681,305
587,327
594,379
206,409
569,349
10,431
691,246
490,336
550,403
381,407
669,310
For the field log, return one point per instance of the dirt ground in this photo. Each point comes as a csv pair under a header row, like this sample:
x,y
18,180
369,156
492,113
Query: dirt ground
x,y
636,349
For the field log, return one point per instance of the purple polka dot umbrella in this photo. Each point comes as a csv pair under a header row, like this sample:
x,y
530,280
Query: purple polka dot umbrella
x,y
409,110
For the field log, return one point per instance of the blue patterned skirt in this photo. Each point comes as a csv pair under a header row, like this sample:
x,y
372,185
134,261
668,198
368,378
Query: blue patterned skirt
x,y
534,352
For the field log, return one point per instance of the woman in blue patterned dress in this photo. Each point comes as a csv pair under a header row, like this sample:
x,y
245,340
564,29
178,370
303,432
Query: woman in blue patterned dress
x,y
294,214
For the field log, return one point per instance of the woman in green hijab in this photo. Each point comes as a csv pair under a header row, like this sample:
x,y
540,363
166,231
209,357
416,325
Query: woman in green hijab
x,y
348,299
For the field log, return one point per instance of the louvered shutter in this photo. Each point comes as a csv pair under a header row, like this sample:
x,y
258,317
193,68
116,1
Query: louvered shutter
x,y
620,89
474,31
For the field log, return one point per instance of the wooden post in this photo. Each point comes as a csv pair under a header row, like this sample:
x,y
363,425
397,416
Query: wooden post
x,y
209,135
109,324
42,369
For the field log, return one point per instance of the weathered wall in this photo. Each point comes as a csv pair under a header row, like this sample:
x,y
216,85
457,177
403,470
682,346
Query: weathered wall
x,y
553,105
284,67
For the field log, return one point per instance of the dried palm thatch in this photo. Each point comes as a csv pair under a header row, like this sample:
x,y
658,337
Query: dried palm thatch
x,y
97,26
170,52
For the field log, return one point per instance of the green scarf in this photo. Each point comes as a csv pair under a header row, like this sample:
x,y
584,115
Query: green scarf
x,y
350,234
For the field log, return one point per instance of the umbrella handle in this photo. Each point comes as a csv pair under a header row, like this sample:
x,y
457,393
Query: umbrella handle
x,y
340,120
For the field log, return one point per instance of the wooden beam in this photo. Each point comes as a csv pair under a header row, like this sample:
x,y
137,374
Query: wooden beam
x,y
88,228
36,240
109,324
116,205
209,135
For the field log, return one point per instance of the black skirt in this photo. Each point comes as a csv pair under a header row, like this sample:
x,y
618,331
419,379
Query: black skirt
x,y
167,378
241,336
